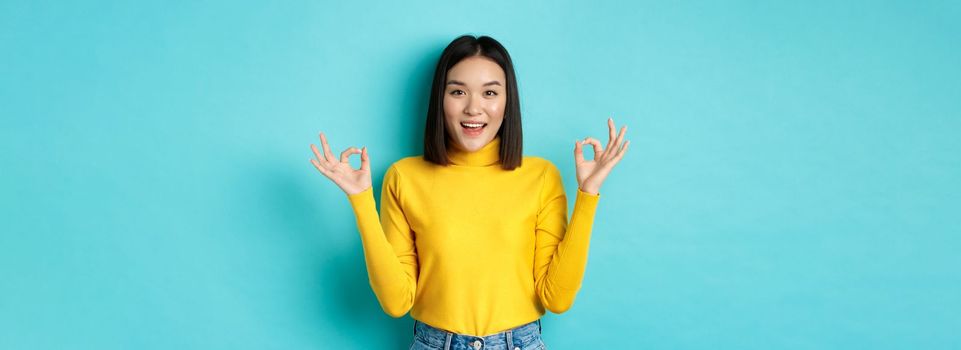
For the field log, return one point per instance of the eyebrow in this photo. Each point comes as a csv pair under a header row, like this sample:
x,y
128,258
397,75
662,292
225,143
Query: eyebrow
x,y
458,82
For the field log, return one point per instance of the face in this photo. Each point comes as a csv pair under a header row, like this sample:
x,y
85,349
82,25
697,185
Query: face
x,y
474,99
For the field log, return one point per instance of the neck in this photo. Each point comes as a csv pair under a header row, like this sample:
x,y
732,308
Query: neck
x,y
485,156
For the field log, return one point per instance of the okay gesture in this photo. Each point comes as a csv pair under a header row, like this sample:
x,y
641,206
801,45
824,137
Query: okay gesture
x,y
591,173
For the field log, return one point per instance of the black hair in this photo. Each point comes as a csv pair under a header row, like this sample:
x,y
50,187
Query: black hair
x,y
435,135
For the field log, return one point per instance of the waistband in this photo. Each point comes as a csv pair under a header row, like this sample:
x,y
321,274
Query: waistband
x,y
517,337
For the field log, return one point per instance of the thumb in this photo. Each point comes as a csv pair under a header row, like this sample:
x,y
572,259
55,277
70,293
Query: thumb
x,y
364,159
578,153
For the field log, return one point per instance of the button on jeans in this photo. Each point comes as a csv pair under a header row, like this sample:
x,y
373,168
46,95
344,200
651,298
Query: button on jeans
x,y
524,337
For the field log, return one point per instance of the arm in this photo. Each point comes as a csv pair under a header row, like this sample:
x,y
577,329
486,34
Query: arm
x,y
388,242
560,255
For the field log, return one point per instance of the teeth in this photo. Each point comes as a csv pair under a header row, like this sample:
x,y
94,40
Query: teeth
x,y
473,125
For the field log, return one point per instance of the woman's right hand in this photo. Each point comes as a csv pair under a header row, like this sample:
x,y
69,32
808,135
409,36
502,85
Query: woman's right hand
x,y
351,180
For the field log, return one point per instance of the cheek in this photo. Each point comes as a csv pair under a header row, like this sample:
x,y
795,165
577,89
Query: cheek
x,y
495,108
451,107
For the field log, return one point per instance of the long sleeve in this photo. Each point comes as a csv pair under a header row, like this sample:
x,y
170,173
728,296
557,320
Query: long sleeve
x,y
560,255
388,242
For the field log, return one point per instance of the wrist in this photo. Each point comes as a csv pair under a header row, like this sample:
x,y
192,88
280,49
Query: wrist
x,y
589,189
354,192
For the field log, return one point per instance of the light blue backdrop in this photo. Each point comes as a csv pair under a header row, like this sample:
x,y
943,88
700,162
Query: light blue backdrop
x,y
793,182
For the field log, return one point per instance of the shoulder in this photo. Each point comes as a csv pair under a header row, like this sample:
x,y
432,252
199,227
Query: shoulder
x,y
551,183
407,162
540,165
408,165
417,164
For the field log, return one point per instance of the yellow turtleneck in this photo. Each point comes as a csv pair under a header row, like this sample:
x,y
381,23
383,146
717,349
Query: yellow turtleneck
x,y
473,248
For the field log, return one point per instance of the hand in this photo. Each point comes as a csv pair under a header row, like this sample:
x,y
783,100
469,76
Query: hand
x,y
351,180
591,173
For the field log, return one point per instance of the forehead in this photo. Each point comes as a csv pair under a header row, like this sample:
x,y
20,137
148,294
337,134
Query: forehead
x,y
476,69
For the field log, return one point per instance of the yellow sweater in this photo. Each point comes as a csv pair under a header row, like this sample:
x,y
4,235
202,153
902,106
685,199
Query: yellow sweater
x,y
473,248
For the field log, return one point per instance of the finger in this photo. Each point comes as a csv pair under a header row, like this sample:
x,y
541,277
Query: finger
x,y
329,156
364,160
320,157
621,153
598,149
345,155
613,149
610,127
578,152
319,167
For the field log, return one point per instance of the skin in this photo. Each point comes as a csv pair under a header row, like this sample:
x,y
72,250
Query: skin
x,y
472,94
475,92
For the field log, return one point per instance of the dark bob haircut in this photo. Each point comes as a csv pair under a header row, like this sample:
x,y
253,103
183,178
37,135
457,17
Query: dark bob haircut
x,y
435,135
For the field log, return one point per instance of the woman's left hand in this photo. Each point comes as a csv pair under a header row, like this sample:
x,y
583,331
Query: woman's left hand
x,y
591,173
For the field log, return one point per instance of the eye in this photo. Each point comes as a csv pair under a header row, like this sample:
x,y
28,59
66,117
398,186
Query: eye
x,y
491,93
457,92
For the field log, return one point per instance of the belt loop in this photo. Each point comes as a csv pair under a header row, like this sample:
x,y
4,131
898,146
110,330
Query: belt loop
x,y
539,328
510,339
447,343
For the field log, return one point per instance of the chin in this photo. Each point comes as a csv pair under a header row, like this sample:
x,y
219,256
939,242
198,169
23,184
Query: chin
x,y
474,143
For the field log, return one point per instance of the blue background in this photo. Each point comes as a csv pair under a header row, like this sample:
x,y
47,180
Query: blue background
x,y
793,181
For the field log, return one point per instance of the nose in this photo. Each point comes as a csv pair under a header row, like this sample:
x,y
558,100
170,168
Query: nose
x,y
473,106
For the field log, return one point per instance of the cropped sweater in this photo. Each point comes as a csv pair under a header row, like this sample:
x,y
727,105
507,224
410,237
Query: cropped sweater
x,y
470,247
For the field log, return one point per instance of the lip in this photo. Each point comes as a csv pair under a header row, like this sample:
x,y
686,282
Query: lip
x,y
472,132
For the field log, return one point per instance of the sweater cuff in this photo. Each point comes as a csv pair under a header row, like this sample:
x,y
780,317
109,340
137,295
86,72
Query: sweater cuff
x,y
585,204
362,201
581,195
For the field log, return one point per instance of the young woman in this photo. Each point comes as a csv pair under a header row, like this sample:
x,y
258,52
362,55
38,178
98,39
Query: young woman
x,y
473,237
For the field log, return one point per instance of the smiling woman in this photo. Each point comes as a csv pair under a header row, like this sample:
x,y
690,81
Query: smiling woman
x,y
476,266
474,102
474,91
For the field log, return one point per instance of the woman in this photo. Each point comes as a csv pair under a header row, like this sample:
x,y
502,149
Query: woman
x,y
473,237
